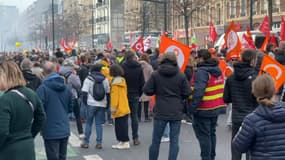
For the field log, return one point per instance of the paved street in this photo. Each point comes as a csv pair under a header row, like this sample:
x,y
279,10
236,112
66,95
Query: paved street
x,y
189,148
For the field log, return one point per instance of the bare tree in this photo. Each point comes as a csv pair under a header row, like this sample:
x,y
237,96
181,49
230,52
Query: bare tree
x,y
186,8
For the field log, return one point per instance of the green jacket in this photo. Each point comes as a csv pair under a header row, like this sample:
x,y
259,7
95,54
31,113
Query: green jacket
x,y
19,124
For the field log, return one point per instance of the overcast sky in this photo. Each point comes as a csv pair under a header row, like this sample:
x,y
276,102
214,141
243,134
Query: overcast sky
x,y
21,4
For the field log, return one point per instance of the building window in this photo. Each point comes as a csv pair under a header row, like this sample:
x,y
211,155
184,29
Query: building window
x,y
218,14
242,8
232,8
276,5
264,6
254,8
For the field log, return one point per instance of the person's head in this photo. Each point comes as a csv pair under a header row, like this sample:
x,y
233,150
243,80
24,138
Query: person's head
x,y
116,70
48,68
203,55
144,57
282,45
70,63
263,88
149,51
26,64
130,55
96,67
249,56
83,58
10,76
168,57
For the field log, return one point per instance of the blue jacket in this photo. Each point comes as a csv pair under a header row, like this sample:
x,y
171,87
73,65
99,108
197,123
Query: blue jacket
x,y
263,133
57,100
201,79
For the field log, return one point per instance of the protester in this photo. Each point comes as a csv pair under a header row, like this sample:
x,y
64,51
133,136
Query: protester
x,y
57,101
262,132
119,107
170,87
206,102
21,115
144,99
95,105
37,70
238,92
135,81
32,80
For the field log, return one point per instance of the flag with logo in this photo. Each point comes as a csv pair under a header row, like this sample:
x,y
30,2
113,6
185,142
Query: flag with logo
x,y
247,42
265,27
213,35
232,42
109,45
273,40
238,28
181,51
274,69
138,46
64,45
147,43
282,29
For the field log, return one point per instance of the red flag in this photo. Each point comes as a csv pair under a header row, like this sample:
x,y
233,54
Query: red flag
x,y
248,33
182,51
247,42
232,42
213,33
273,40
147,43
109,45
64,45
238,27
265,27
282,29
138,46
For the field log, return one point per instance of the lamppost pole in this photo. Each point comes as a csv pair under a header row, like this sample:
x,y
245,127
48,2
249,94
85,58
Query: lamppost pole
x,y
93,46
251,14
53,35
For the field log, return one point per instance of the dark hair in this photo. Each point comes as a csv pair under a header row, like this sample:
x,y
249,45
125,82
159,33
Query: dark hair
x,y
148,51
204,53
96,67
248,55
168,57
116,70
144,57
129,55
268,47
83,58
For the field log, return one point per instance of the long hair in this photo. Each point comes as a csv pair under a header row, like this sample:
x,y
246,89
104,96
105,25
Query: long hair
x,y
10,75
263,88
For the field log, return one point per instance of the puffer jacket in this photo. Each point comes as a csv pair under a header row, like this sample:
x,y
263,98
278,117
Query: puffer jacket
x,y
263,133
238,91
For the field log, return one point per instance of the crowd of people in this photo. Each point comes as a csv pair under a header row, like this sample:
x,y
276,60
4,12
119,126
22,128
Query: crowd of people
x,y
42,93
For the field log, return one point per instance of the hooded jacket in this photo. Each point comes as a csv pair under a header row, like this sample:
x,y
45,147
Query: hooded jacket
x,y
56,99
73,80
170,87
263,133
238,91
134,77
33,81
201,78
119,100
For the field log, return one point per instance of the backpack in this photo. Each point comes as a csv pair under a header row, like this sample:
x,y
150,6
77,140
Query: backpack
x,y
98,90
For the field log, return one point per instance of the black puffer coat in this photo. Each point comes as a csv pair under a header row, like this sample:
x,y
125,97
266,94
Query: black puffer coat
x,y
263,133
238,91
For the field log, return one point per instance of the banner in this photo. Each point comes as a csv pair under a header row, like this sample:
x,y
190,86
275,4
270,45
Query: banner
x,y
282,29
274,69
182,51
232,42
138,46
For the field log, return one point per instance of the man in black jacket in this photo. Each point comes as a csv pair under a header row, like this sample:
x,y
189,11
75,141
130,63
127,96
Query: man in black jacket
x,y
135,82
238,92
33,81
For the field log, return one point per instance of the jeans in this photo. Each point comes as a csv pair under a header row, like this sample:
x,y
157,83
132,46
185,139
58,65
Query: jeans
x,y
99,114
134,103
108,110
236,155
56,149
83,109
166,131
205,131
158,130
143,105
76,111
122,128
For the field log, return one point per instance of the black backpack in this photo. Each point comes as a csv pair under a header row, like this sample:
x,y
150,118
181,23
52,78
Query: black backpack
x,y
98,88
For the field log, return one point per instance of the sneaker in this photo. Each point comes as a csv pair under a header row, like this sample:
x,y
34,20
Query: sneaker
x,y
124,145
165,139
136,141
81,136
98,146
116,146
84,145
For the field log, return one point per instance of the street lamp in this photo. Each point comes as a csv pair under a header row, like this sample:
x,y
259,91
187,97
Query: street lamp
x,y
164,2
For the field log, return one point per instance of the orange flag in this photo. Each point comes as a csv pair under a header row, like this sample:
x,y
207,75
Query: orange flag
x,y
232,42
274,69
264,44
182,51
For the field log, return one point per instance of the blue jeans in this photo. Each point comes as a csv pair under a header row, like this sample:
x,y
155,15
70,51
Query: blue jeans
x,y
158,130
134,104
166,131
83,109
99,114
205,131
56,149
